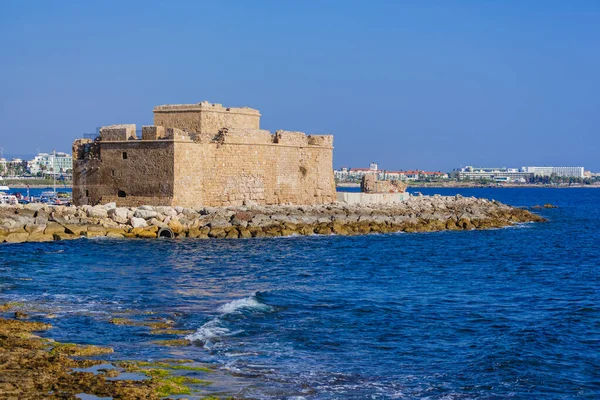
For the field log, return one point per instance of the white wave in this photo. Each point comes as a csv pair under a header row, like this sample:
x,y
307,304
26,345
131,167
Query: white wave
x,y
249,303
213,330
208,332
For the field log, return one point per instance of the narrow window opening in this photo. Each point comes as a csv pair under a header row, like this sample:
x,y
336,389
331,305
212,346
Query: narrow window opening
x,y
121,194
124,155
87,193
113,172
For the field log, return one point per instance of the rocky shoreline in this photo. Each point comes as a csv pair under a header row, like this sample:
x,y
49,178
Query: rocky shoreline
x,y
39,222
35,367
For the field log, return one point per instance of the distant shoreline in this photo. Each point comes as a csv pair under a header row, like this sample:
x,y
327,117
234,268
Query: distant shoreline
x,y
454,185
457,185
34,186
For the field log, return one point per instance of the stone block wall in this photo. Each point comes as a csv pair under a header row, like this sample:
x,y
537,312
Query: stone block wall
x,y
230,173
291,138
153,132
206,118
245,136
118,132
125,172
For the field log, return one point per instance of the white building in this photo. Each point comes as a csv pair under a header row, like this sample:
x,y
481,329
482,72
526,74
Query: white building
x,y
50,164
575,172
499,174
353,174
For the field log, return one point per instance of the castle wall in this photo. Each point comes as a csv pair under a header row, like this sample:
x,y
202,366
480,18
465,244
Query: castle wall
x,y
206,119
130,173
230,173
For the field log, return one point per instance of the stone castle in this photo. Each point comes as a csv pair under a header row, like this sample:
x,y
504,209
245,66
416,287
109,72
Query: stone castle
x,y
198,155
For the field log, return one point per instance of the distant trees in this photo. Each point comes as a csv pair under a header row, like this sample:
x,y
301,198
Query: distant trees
x,y
561,180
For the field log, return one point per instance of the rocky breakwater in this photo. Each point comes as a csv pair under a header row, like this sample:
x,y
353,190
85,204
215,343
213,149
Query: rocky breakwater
x,y
37,222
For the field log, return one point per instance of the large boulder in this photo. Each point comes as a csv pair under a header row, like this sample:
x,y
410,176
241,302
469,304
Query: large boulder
x,y
97,212
138,222
145,214
219,222
119,214
166,210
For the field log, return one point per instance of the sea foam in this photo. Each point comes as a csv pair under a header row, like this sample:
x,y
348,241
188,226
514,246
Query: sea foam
x,y
213,330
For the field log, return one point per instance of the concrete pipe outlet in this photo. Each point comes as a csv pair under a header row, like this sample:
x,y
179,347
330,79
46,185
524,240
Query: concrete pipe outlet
x,y
166,233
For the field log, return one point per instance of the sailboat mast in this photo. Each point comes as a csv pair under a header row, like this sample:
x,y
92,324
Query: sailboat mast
x,y
54,171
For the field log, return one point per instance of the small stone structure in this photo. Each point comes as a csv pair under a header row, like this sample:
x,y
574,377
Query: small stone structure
x,y
374,191
370,184
203,154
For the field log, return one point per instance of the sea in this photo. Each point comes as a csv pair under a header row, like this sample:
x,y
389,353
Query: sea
x,y
503,313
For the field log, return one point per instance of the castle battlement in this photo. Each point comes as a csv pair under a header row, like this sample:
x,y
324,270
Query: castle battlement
x,y
127,132
206,106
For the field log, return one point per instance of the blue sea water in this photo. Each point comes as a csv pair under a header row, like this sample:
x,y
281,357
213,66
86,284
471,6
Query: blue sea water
x,y
492,314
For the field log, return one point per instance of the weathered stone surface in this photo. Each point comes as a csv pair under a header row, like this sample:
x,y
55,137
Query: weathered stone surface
x,y
76,229
119,214
176,226
97,212
370,184
145,214
17,237
53,227
168,211
40,237
138,222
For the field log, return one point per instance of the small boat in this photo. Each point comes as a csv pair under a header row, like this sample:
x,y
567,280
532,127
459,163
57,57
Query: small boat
x,y
4,188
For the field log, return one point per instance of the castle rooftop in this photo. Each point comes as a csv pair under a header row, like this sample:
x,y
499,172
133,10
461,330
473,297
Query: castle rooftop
x,y
206,106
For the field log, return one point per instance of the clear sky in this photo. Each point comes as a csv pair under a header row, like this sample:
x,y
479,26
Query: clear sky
x,y
411,84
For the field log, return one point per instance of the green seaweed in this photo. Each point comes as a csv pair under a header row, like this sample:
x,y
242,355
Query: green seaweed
x,y
10,305
191,368
159,372
73,349
172,342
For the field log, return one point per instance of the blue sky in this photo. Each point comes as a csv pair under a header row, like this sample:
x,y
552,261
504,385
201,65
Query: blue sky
x,y
411,84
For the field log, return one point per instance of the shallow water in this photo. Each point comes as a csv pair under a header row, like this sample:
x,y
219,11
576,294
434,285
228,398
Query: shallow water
x,y
510,312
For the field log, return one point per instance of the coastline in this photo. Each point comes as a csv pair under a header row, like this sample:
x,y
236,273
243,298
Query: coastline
x,y
39,222
433,185
438,185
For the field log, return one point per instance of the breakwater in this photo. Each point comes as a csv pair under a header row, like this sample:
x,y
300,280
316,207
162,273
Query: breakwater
x,y
38,222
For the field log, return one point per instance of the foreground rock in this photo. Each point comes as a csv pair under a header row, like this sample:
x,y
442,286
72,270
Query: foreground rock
x,y
36,223
32,367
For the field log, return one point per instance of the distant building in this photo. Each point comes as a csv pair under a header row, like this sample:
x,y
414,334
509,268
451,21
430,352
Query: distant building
x,y
574,172
14,167
353,174
513,174
50,164
498,174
